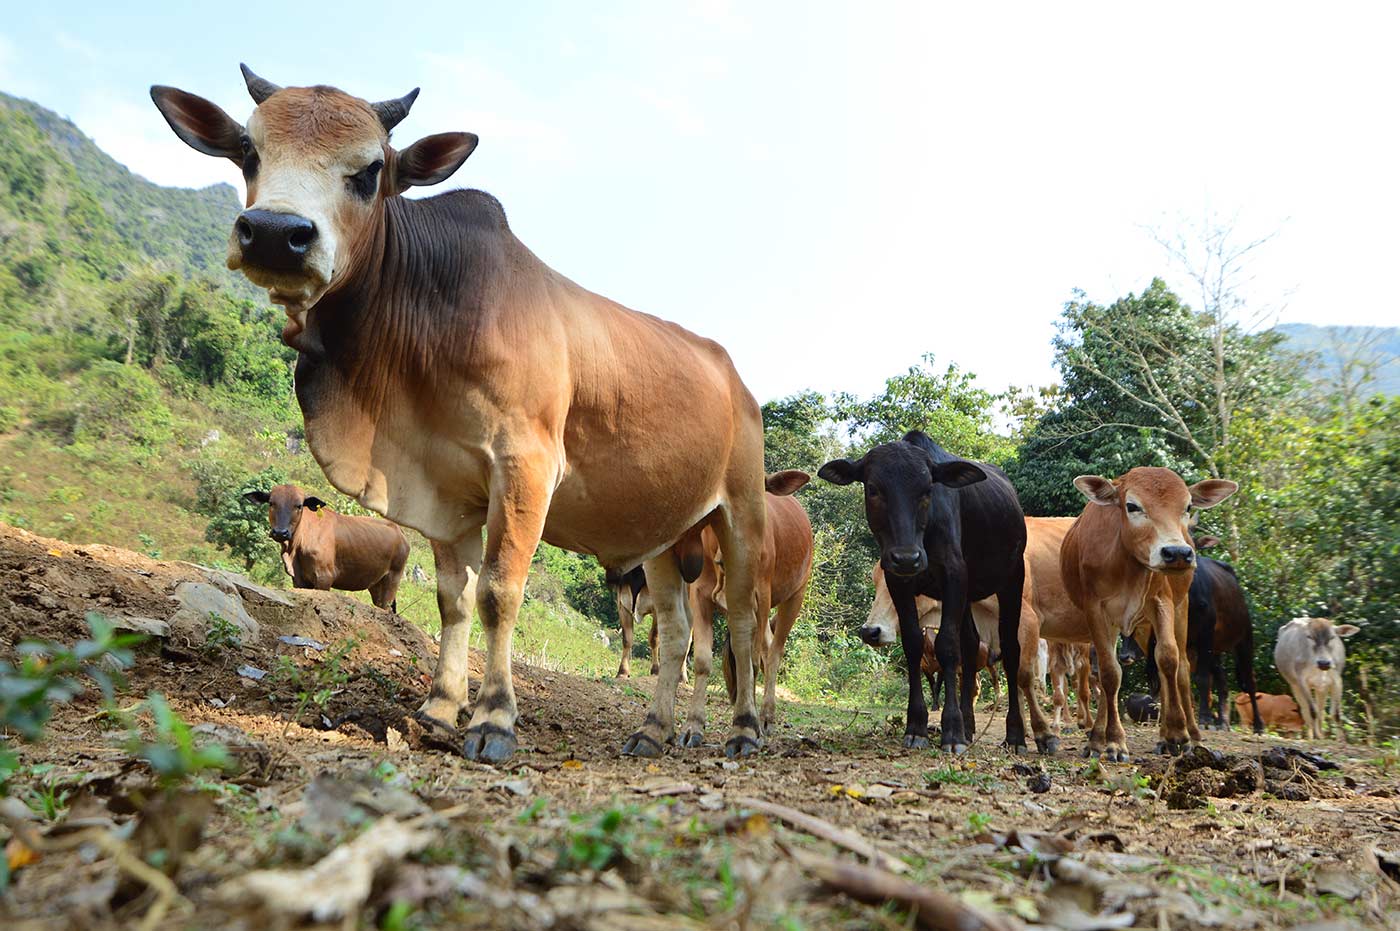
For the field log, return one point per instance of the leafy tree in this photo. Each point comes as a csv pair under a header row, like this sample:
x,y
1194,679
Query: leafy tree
x,y
235,523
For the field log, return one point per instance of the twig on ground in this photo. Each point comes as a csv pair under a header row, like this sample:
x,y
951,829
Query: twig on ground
x,y
825,830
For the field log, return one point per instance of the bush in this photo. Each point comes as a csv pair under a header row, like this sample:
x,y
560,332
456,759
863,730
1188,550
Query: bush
x,y
116,402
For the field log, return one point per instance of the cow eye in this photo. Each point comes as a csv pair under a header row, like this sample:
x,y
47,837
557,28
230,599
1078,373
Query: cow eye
x,y
250,158
1134,508
363,182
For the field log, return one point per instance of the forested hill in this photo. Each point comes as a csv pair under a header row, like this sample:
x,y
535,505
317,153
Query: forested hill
x,y
184,230
1366,355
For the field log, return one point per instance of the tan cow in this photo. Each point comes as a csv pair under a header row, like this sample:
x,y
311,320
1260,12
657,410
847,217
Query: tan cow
x,y
1311,656
784,569
322,549
1072,661
453,382
1277,712
1128,560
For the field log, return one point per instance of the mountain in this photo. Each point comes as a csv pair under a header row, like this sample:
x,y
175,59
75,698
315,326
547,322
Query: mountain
x,y
1347,353
182,230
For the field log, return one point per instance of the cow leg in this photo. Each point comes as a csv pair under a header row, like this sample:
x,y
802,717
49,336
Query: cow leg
x,y
673,640
782,626
458,565
384,592
1082,690
911,639
1061,699
935,685
1244,675
1028,637
702,625
514,522
1337,706
947,646
1303,697
740,531
1203,672
995,679
1009,611
1175,679
968,643
1107,737
1222,693
762,639
626,620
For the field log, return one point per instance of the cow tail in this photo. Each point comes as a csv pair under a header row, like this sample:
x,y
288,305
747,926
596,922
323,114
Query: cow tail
x,y
731,684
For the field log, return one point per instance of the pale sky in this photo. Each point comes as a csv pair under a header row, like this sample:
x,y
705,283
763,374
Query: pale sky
x,y
829,190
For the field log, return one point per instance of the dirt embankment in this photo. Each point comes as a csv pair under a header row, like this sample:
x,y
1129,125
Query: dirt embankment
x,y
314,693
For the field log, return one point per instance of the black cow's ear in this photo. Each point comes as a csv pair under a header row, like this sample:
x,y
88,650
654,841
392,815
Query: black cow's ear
x,y
432,159
843,471
256,497
201,125
313,503
957,474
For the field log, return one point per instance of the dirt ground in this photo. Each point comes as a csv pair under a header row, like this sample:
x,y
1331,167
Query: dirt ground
x,y
341,815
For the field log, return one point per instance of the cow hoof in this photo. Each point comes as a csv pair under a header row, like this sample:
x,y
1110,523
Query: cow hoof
x,y
1016,749
1116,756
489,743
1047,746
640,744
955,749
1258,730
741,746
692,739
1091,753
915,742
1171,747
435,730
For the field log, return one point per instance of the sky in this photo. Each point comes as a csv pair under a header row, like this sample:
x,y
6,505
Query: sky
x,y
830,190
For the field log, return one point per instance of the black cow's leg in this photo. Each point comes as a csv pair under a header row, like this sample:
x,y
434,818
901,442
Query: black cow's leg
x,y
911,638
1222,693
1009,631
1203,672
947,646
968,643
935,685
1244,675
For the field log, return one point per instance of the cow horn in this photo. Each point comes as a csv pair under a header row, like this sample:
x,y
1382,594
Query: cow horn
x,y
259,88
392,112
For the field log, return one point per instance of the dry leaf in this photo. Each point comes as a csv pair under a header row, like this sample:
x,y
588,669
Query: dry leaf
x,y
571,764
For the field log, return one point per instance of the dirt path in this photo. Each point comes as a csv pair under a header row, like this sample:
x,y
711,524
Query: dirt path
x,y
572,835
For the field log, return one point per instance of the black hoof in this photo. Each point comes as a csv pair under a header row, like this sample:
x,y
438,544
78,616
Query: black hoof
x,y
1116,756
640,744
1048,746
915,742
1016,749
1091,753
692,739
742,745
489,744
955,749
1171,747
436,729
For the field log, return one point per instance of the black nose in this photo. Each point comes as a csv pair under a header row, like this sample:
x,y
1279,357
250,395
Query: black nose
x,y
870,635
906,560
1324,664
281,536
277,241
1173,555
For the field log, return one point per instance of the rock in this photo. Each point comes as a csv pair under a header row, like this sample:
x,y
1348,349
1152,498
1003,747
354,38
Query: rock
x,y
236,584
142,625
198,603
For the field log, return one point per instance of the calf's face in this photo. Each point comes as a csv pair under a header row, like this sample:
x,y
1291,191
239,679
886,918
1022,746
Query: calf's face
x,y
1322,649
899,480
285,504
881,627
1154,512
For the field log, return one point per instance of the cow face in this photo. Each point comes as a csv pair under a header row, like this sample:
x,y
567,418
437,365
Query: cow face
x,y
1154,508
318,166
1323,648
285,504
881,627
899,481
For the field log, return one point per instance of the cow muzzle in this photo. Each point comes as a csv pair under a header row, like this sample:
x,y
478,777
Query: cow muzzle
x,y
281,536
1324,664
874,636
275,241
905,561
1177,557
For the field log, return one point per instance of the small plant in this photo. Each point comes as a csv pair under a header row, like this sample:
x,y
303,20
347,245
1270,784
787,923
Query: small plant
x,y
316,684
960,774
173,753
148,545
46,797
223,635
600,845
977,822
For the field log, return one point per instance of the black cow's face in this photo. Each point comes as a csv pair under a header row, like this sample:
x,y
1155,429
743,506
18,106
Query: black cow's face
x,y
899,481
285,504
318,164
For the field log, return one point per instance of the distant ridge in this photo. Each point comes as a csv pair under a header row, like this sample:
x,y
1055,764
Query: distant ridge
x,y
1376,347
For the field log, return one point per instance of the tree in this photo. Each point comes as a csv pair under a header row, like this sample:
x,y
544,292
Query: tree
x,y
238,525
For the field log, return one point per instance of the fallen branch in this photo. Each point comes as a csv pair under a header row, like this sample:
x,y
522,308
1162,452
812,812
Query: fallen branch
x,y
932,910
815,826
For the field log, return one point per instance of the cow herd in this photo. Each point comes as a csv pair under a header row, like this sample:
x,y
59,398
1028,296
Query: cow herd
x,y
457,385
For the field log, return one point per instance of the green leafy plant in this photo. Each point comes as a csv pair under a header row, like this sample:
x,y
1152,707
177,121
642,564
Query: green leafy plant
x,y
172,752
223,635
317,683
601,844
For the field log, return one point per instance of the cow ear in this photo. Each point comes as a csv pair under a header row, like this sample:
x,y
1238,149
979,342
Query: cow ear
x,y
786,482
256,497
432,159
1346,630
313,503
843,471
201,125
1097,489
957,474
1211,492
1206,542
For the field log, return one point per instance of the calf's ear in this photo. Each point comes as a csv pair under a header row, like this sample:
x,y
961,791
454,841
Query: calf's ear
x,y
1211,492
843,471
256,497
1206,542
201,125
313,503
1346,630
786,482
957,474
432,159
1097,489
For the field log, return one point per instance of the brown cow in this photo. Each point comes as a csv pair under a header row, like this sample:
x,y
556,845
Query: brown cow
x,y
784,568
1128,560
322,549
1072,661
633,605
453,382
1277,712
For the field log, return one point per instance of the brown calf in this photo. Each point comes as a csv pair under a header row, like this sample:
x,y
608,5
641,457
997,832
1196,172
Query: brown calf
x,y
1128,560
1277,712
322,549
1072,661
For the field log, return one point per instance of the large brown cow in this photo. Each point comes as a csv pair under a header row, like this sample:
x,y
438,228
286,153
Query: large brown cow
x,y
1128,560
784,569
453,382
325,550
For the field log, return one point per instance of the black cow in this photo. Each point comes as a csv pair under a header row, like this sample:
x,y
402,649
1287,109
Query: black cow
x,y
1218,622
953,530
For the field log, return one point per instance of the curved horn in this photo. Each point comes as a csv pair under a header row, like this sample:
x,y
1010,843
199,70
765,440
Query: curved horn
x,y
259,88
392,112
